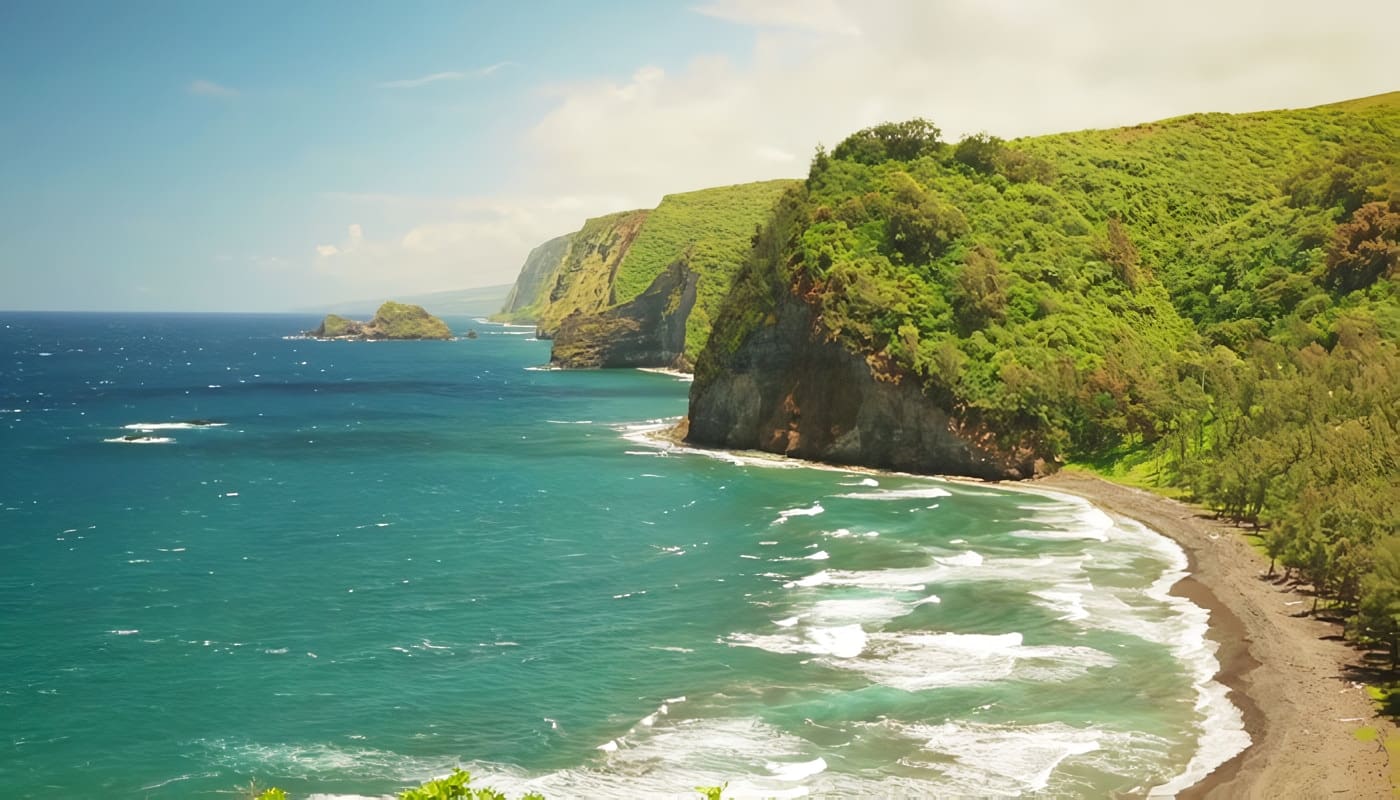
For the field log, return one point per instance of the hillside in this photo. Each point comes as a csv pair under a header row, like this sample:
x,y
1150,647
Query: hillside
x,y
478,301
1208,302
613,260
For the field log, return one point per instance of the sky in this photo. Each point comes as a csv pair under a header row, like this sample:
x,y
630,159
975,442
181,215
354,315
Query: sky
x,y
265,156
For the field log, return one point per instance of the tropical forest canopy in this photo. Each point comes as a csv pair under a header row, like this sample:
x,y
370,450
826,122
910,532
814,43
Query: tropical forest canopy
x,y
1212,297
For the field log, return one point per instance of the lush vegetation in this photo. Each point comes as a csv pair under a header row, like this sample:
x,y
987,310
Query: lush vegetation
x,y
1214,296
709,230
583,280
613,259
404,321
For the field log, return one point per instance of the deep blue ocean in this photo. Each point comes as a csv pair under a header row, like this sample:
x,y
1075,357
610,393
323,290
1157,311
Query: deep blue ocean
x,y
395,558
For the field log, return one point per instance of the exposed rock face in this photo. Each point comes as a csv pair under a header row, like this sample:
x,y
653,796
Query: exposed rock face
x,y
391,321
787,390
535,281
648,331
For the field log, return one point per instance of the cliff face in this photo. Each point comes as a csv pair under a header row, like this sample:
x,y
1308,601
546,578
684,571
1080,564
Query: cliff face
x,y
786,389
535,281
647,331
583,282
614,260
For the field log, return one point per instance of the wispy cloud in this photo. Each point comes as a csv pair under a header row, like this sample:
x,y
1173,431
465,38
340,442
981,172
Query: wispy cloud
x,y
413,83
210,89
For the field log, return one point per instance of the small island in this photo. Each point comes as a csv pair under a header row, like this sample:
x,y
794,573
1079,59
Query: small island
x,y
392,321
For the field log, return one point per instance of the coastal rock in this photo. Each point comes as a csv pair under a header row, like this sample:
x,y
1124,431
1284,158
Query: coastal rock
x,y
648,331
786,389
391,321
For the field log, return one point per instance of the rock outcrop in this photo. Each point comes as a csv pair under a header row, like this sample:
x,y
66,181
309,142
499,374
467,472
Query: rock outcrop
x,y
786,389
648,331
391,321
615,259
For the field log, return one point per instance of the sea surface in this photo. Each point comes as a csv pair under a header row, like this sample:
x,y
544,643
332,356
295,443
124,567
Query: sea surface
x,y
395,558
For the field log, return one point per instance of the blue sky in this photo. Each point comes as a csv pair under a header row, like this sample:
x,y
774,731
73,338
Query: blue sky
x,y
263,156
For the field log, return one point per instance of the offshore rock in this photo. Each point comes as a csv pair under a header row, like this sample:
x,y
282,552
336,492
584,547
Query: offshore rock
x,y
391,321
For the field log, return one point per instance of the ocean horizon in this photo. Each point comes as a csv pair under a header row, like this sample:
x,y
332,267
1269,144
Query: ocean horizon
x,y
342,568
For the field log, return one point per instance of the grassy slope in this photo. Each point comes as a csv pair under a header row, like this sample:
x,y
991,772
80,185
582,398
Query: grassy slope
x,y
584,279
710,229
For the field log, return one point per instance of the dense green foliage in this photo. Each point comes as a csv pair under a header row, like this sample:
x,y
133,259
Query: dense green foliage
x,y
583,280
709,230
1218,292
403,321
336,325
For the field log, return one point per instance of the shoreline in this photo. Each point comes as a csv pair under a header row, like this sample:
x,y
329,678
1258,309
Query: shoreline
x,y
1290,675
1287,675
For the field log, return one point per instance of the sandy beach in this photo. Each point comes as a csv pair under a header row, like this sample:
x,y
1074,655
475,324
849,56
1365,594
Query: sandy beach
x,y
1291,674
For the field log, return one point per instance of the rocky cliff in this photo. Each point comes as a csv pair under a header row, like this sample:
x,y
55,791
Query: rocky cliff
x,y
647,331
391,321
789,389
616,259
536,280
583,282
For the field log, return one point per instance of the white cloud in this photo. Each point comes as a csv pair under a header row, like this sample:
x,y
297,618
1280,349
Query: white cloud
x,y
1011,68
326,250
210,89
413,83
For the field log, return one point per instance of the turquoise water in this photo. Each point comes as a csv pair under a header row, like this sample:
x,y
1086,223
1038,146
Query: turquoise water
x,y
395,558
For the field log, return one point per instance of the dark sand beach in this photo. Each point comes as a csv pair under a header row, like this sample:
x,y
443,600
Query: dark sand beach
x,y
1291,674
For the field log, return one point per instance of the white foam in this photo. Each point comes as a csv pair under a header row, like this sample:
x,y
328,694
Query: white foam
x,y
1007,760
809,511
921,493
842,642
673,754
820,555
917,661
970,558
798,771
125,632
171,426
140,440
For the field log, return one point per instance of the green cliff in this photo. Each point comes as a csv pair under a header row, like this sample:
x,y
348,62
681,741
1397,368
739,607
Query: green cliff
x,y
1209,302
536,280
615,259
392,321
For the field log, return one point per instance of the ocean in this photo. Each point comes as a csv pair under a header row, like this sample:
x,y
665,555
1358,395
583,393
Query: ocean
x,y
394,558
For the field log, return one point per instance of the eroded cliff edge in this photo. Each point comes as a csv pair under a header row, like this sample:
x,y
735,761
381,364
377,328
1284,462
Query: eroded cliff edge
x,y
648,331
787,389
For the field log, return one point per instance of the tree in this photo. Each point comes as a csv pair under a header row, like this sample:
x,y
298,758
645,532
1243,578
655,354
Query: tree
x,y
980,151
920,226
1365,248
898,141
979,289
